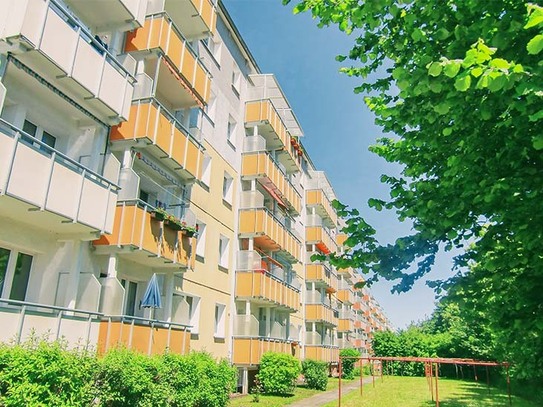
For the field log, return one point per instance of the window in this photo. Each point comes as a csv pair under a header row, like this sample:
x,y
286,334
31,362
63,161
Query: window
x,y
194,313
131,291
14,274
206,169
227,188
231,131
236,80
39,134
224,245
211,107
214,48
201,240
220,319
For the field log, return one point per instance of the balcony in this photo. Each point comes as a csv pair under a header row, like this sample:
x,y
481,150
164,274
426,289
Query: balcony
x,y
318,309
152,126
121,14
345,325
318,235
33,180
319,348
255,281
269,233
182,78
264,115
143,335
145,240
345,295
322,276
259,165
197,18
67,56
249,346
345,344
317,199
346,272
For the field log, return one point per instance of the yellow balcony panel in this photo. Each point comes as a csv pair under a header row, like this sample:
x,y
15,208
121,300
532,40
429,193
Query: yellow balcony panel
x,y
161,35
45,37
197,18
33,187
121,14
329,354
322,275
142,239
153,127
317,199
262,287
318,236
345,296
264,115
347,273
320,313
259,165
345,325
144,337
249,351
268,232
341,238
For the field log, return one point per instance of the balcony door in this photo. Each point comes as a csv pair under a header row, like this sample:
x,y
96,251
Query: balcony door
x,y
15,270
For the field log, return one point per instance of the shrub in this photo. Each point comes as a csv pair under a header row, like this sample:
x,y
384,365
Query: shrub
x,y
38,372
315,374
278,373
347,365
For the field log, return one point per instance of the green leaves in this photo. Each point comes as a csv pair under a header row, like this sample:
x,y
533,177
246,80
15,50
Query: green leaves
x,y
535,45
462,83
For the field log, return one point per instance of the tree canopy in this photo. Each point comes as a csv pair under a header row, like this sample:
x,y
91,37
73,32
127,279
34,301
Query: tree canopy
x,y
459,87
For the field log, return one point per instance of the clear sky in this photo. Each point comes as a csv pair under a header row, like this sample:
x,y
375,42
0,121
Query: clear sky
x,y
337,125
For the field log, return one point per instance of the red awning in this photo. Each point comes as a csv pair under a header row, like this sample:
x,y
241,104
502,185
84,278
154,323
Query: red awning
x,y
275,196
183,82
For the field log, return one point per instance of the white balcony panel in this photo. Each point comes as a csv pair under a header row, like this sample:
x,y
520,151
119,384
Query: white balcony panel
x,y
68,56
121,14
51,182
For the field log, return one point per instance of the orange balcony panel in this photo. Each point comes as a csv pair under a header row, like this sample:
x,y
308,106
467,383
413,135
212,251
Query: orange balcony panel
x,y
319,273
261,286
159,33
155,244
322,353
317,198
249,351
142,338
345,296
268,232
320,312
345,325
166,139
318,236
259,165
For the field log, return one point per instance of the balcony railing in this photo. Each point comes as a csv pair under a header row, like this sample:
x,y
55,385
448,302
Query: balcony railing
x,y
268,232
69,56
345,325
322,275
263,114
261,165
121,14
321,238
317,309
197,18
317,199
151,122
161,34
37,174
146,240
22,319
345,295
254,280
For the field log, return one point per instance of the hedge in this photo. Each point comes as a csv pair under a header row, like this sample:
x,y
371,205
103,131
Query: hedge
x,y
40,373
315,374
278,373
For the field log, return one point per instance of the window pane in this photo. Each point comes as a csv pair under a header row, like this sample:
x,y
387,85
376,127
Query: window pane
x,y
4,258
20,277
49,139
30,128
131,298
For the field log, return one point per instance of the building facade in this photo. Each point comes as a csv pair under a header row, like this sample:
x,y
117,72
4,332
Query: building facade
x,y
146,141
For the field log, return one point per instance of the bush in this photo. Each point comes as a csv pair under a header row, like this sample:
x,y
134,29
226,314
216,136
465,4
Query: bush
x,y
39,373
278,373
347,365
315,374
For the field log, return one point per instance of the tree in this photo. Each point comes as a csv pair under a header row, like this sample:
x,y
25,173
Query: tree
x,y
460,86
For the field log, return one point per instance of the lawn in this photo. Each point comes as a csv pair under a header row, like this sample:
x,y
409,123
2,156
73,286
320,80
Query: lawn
x,y
301,392
414,392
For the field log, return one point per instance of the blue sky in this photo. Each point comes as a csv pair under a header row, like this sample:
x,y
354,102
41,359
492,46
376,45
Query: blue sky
x,y
337,125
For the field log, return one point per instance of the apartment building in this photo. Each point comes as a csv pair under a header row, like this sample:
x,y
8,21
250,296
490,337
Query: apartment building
x,y
144,142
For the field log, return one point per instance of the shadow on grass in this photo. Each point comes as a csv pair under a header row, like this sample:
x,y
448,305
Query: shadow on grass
x,y
472,394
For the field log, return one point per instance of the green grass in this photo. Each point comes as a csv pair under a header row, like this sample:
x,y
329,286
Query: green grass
x,y
414,392
301,392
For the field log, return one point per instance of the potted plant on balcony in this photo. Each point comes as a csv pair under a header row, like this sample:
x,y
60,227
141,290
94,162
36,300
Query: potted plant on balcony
x,y
159,214
189,231
173,223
